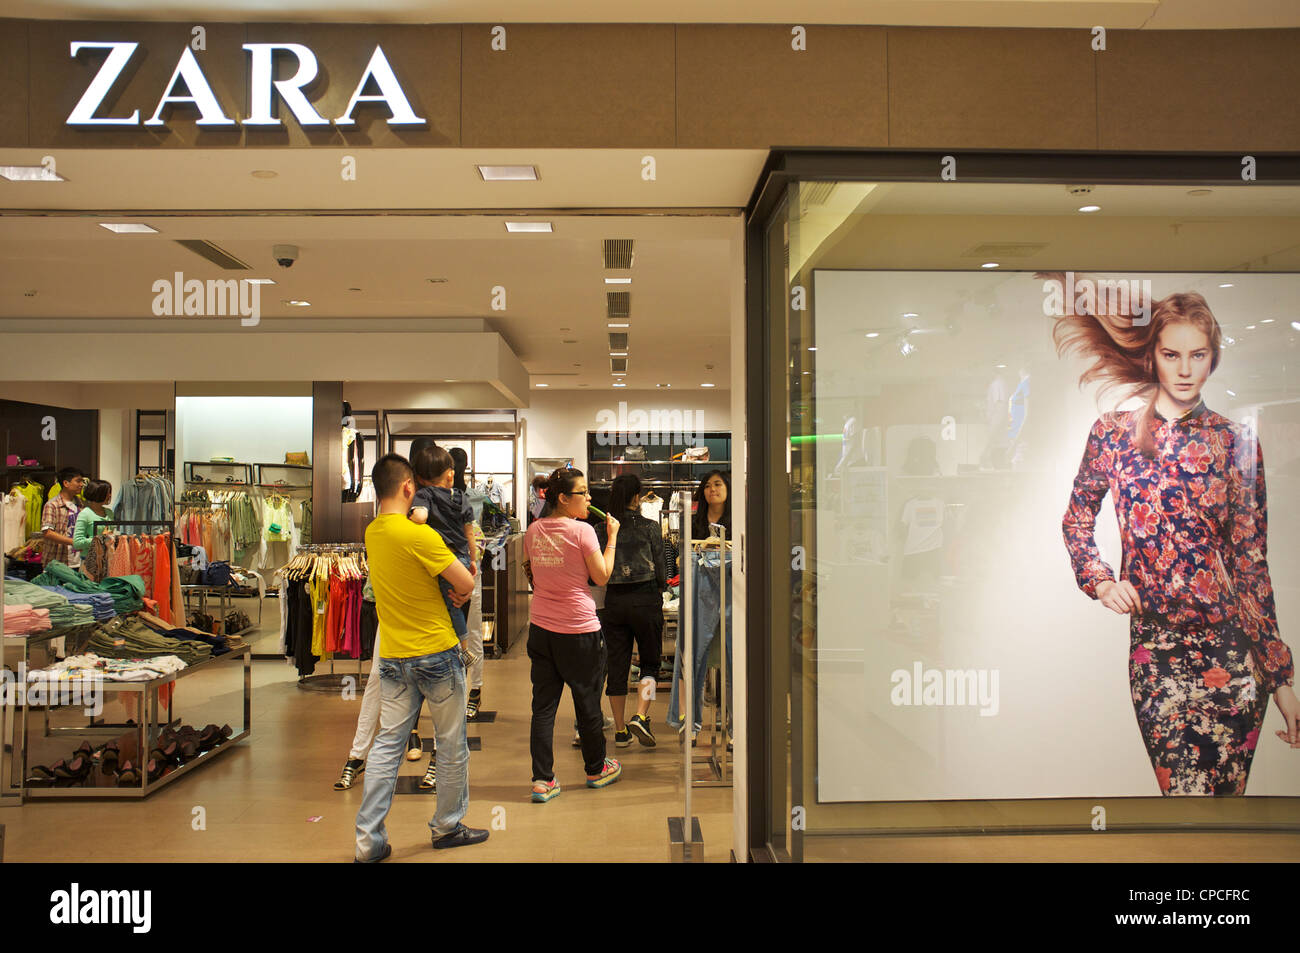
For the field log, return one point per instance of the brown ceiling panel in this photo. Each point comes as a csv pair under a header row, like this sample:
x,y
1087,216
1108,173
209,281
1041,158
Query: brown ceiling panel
x,y
747,87
1202,90
992,89
575,86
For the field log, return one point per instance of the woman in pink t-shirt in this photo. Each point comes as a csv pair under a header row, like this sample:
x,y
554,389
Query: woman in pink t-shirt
x,y
565,643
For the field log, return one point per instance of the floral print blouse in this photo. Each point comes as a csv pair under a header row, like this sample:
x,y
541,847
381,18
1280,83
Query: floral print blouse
x,y
1194,525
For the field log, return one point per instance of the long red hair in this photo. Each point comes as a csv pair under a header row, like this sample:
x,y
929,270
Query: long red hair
x,y
1123,353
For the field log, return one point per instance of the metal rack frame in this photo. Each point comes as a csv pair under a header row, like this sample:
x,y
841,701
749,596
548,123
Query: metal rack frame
x,y
148,729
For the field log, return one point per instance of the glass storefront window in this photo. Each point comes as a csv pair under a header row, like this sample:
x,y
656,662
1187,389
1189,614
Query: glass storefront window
x,y
943,476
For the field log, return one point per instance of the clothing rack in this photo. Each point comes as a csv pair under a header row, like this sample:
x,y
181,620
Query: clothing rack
x,y
331,681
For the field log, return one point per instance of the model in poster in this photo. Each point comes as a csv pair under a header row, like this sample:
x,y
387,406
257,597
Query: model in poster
x,y
1188,489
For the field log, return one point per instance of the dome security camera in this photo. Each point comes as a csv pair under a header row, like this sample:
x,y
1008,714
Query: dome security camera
x,y
285,255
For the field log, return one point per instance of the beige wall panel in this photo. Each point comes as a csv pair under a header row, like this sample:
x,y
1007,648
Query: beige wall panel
x,y
991,89
743,86
571,86
1200,90
13,83
425,60
61,80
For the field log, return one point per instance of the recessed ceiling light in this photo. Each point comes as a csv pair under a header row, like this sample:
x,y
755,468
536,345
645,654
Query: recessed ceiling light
x,y
1089,208
1001,367
264,173
260,281
619,324
812,348
619,384
873,334
1228,285
618,373
528,226
1267,321
618,353
29,173
451,380
1232,393
989,264
663,385
1250,327
618,281
297,303
807,372
910,314
508,173
708,385
543,385
129,228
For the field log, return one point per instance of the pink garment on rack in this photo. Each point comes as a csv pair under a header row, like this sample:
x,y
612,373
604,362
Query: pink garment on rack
x,y
119,560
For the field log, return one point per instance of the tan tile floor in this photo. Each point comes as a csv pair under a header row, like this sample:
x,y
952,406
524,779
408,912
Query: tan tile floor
x,y
259,798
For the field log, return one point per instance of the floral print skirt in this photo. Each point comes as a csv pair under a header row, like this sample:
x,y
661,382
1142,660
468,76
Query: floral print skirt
x,y
1196,694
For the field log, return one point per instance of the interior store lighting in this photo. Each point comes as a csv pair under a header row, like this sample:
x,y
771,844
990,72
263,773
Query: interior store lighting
x,y
708,385
1089,208
508,173
618,281
29,173
129,228
989,264
297,303
528,227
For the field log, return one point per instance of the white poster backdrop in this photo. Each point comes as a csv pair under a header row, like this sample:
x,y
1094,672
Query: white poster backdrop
x,y
1037,703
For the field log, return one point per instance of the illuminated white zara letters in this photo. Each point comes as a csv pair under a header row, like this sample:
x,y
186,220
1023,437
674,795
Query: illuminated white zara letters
x,y
197,93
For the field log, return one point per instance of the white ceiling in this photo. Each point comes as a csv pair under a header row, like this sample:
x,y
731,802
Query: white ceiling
x,y
1114,14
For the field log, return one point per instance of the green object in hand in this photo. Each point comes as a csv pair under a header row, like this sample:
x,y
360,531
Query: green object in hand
x,y
597,512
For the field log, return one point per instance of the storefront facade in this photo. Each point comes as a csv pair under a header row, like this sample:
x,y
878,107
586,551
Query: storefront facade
x,y
857,118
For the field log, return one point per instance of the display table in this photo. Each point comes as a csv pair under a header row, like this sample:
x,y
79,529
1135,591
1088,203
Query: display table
x,y
146,733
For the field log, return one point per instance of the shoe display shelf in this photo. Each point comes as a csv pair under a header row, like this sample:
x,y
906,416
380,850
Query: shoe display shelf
x,y
20,719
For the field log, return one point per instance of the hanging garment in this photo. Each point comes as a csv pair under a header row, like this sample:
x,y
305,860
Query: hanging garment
x,y
15,519
162,576
142,559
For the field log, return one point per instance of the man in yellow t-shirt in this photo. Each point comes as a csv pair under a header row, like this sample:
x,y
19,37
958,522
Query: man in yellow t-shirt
x,y
418,660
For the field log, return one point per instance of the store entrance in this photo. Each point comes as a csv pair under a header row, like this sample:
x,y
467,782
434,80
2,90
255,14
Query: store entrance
x,y
605,347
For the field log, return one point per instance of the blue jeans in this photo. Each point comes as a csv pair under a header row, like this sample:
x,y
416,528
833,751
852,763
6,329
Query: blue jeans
x,y
457,613
706,621
438,679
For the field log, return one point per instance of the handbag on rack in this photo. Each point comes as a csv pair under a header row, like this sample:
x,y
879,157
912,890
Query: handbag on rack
x,y
217,574
298,459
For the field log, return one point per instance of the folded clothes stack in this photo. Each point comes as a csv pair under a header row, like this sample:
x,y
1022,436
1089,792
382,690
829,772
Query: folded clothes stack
x,y
220,644
91,665
100,603
127,591
132,639
24,620
59,611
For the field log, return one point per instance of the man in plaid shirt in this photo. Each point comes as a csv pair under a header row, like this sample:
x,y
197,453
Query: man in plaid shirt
x,y
59,518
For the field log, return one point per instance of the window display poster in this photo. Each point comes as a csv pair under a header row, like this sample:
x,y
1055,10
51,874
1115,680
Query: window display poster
x,y
1090,535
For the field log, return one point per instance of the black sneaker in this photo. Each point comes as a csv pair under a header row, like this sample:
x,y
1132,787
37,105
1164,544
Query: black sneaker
x,y
462,836
472,704
414,747
350,771
622,739
430,780
639,725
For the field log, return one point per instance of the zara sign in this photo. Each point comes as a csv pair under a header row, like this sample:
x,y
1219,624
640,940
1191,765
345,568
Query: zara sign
x,y
198,94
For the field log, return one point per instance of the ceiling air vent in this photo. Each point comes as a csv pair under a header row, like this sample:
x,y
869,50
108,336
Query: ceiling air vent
x,y
213,253
995,251
618,341
618,304
618,252
815,193
618,365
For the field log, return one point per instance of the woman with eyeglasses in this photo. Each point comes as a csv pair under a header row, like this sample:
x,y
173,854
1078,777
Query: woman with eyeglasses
x,y
565,642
